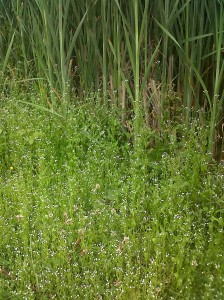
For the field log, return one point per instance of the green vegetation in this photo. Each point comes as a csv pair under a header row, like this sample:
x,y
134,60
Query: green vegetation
x,y
85,217
111,149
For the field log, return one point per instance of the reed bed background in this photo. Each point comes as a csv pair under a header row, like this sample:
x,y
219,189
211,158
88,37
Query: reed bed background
x,y
153,60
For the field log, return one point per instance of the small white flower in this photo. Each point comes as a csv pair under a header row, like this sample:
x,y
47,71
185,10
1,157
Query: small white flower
x,y
20,217
97,187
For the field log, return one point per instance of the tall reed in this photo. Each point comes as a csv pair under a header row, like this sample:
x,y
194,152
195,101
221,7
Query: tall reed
x,y
141,49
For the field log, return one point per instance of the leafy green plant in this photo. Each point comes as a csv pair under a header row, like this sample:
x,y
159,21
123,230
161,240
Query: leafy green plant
x,y
79,205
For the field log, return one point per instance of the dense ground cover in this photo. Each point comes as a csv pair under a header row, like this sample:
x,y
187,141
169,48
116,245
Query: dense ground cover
x,y
111,149
84,216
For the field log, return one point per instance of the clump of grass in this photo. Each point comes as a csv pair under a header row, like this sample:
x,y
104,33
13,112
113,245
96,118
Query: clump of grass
x,y
84,214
